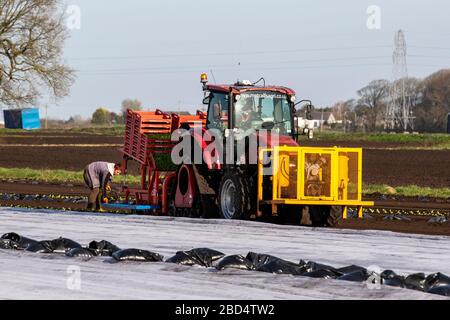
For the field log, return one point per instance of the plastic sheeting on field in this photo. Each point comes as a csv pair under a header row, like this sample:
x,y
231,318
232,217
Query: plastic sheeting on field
x,y
436,283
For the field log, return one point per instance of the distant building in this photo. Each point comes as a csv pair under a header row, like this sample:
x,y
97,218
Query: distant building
x,y
320,118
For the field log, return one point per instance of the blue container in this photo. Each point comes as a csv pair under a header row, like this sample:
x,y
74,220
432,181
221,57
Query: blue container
x,y
30,119
27,119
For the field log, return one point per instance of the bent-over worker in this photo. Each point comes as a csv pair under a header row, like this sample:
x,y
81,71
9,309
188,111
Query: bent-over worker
x,y
97,176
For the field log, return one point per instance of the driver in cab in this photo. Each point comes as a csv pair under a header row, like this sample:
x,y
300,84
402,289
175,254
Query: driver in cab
x,y
244,114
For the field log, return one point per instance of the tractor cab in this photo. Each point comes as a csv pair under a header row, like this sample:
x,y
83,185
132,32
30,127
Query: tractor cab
x,y
244,106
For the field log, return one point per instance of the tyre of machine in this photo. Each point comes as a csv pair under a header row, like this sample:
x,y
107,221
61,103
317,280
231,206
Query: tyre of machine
x,y
325,216
234,197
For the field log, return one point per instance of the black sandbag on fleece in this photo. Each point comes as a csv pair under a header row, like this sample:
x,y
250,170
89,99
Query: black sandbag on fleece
x,y
318,270
281,266
236,261
16,241
84,253
103,248
6,244
390,278
199,256
351,269
40,247
272,264
323,273
137,255
312,266
181,257
436,280
259,259
415,281
440,290
355,276
62,245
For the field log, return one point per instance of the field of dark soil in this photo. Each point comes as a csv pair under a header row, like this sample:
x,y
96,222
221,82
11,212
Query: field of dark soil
x,y
382,162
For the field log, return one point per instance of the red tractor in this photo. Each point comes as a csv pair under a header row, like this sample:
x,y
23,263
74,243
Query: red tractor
x,y
239,160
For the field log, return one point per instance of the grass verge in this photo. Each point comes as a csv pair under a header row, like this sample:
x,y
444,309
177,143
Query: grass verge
x,y
407,191
112,130
436,140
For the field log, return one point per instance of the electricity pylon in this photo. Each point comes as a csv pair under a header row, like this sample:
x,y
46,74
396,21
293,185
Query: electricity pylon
x,y
399,112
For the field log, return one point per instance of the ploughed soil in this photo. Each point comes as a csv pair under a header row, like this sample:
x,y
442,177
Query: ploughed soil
x,y
417,224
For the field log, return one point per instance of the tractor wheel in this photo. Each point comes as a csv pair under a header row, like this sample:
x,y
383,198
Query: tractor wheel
x,y
291,214
318,215
335,216
234,196
325,216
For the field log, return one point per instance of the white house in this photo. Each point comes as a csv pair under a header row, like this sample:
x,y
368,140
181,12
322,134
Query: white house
x,y
320,118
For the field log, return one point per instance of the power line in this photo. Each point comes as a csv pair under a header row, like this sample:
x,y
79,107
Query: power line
x,y
427,56
429,47
171,55
246,68
230,65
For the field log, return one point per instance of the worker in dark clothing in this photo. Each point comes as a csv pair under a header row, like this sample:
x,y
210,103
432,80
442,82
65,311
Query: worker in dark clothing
x,y
97,177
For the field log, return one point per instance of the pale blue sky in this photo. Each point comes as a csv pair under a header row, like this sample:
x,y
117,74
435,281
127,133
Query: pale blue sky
x,y
155,50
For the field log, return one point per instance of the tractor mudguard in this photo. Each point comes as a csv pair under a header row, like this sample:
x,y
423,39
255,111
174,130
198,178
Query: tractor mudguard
x,y
186,187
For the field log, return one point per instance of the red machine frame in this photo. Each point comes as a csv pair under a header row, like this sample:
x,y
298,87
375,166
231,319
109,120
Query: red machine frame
x,y
147,133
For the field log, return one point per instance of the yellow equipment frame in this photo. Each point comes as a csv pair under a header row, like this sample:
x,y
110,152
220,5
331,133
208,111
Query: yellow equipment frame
x,y
337,184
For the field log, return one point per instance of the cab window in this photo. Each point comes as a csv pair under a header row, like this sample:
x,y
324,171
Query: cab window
x,y
218,111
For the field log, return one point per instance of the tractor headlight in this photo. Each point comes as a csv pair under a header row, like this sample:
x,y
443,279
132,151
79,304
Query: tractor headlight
x,y
293,99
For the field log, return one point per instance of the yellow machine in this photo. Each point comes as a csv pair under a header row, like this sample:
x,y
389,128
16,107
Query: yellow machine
x,y
310,176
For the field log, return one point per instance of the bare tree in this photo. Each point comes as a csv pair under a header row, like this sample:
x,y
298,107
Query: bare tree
x,y
435,102
344,111
132,104
414,90
372,101
32,35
